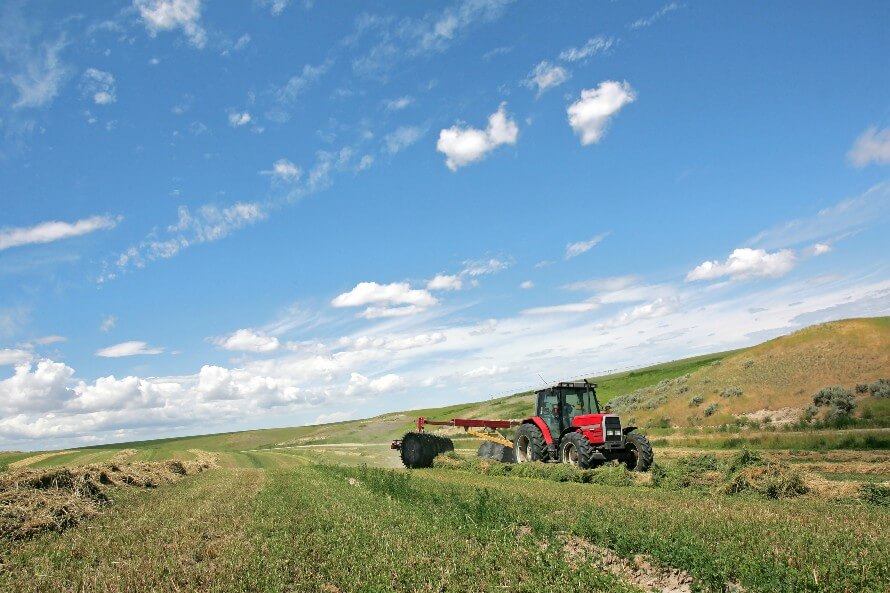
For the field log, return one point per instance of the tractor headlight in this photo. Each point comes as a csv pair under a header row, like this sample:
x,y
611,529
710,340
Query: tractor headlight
x,y
613,433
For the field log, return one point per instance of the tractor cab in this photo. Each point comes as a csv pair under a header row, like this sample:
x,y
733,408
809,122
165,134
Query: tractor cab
x,y
559,405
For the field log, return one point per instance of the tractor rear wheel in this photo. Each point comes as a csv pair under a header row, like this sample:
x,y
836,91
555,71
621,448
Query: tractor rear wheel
x,y
529,444
638,452
420,448
576,450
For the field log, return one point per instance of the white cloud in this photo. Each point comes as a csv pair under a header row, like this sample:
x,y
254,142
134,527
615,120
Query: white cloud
x,y
284,170
47,340
241,42
108,324
276,7
248,340
39,390
361,385
594,46
239,118
47,232
647,22
872,146
366,162
35,70
445,282
464,145
99,86
483,267
589,116
546,76
579,247
300,82
746,263
603,284
14,356
397,299
402,138
399,103
487,371
583,307
527,285
133,348
332,417
821,248
167,15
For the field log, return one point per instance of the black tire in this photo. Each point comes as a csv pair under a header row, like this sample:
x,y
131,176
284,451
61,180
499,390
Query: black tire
x,y
497,452
576,450
638,455
529,444
420,448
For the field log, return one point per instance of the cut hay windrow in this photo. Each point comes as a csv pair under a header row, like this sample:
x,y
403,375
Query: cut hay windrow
x,y
34,501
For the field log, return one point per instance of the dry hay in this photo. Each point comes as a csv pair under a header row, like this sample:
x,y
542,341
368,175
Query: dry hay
x,y
34,501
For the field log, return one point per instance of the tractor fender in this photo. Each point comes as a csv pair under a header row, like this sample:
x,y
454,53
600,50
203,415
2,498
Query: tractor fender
x,y
628,429
537,421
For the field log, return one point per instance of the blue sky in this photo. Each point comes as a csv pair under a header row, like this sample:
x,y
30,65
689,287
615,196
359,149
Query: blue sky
x,y
219,216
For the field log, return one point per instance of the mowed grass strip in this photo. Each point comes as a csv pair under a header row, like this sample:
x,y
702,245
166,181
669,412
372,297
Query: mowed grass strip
x,y
322,529
770,546
186,536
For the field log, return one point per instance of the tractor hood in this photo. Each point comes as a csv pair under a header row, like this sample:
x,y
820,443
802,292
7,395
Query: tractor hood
x,y
589,421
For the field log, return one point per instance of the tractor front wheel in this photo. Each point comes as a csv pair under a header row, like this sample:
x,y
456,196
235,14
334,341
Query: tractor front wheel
x,y
529,444
576,450
638,452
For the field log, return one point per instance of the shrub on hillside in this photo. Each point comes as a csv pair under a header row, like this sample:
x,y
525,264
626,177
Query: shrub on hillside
x,y
709,411
880,388
731,392
839,401
862,388
696,401
748,364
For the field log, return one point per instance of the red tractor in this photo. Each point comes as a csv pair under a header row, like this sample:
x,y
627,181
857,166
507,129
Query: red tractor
x,y
569,427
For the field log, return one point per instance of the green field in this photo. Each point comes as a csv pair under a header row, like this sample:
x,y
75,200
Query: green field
x,y
329,508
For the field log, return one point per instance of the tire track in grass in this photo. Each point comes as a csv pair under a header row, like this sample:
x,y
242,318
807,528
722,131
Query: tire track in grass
x,y
188,536
316,529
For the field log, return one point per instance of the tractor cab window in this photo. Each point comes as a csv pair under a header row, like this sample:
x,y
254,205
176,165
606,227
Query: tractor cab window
x,y
548,410
574,406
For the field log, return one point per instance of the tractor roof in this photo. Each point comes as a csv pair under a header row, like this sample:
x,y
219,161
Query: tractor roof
x,y
570,385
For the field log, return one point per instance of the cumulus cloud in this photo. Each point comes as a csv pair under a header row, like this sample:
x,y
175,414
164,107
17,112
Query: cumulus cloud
x,y
589,116
133,348
362,385
248,340
167,15
579,247
445,282
746,263
386,300
821,249
14,356
284,170
239,118
594,46
99,86
464,145
35,388
47,232
546,76
872,146
402,138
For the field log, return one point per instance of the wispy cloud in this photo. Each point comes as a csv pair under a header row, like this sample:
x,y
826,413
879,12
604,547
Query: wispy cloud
x,y
47,232
546,76
134,348
168,15
649,21
594,46
579,247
